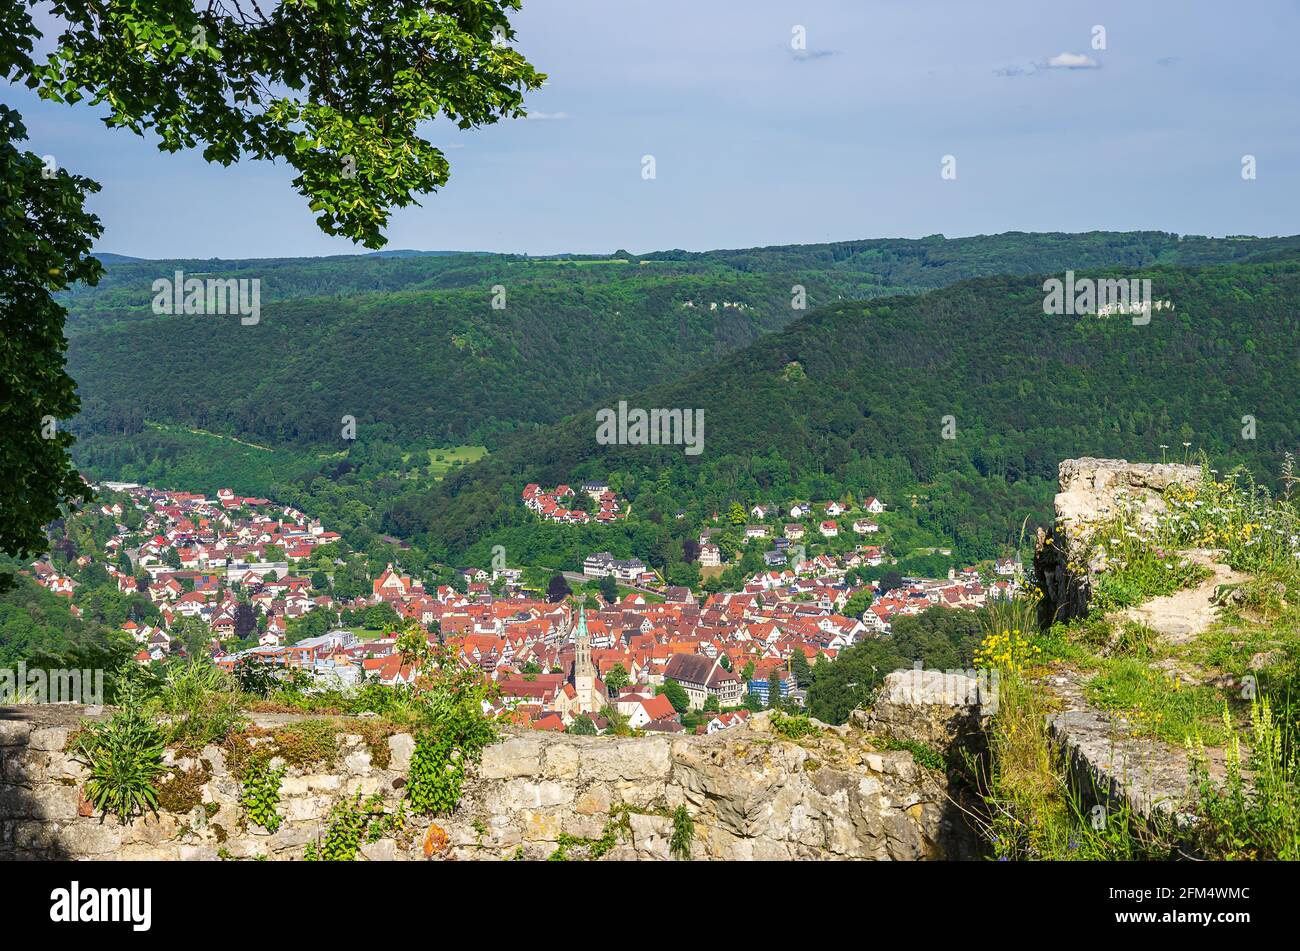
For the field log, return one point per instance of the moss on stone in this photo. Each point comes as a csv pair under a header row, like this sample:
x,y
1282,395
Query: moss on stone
x,y
183,789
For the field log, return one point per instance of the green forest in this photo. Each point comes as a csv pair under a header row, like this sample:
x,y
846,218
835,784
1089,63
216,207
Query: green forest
x,y
848,397
853,399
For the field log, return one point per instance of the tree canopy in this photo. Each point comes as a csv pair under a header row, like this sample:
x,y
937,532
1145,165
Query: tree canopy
x,y
334,88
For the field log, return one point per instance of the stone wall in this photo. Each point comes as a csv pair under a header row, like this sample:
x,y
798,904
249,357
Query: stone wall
x,y
849,792
1093,491
1109,763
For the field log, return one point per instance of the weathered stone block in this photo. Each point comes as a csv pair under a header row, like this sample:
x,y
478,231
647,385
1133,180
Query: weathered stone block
x,y
401,746
515,756
561,762
14,732
48,738
625,759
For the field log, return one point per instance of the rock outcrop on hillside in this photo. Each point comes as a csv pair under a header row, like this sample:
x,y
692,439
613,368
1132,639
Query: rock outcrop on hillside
x,y
858,791
1111,763
1092,492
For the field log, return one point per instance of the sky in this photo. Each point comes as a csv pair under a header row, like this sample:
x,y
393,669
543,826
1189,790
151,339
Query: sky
x,y
757,143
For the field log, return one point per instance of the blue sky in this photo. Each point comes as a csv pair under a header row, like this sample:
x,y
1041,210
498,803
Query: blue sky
x,y
757,145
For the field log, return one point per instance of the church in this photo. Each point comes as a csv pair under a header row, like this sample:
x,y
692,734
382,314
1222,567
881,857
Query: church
x,y
583,692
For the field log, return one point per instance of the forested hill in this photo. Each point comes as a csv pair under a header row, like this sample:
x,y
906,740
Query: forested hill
x,y
413,345
854,397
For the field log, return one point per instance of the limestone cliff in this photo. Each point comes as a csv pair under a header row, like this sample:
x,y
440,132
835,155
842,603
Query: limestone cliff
x,y
1092,491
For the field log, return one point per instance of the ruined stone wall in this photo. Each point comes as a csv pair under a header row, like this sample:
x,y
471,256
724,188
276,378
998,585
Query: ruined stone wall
x,y
847,792
1092,492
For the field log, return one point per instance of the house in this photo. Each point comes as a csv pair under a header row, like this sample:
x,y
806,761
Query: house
x,y
834,508
391,584
602,563
726,720
775,559
800,510
703,677
762,511
864,526
829,529
787,683
679,594
710,556
756,531
642,709
633,569
794,531
597,565
873,505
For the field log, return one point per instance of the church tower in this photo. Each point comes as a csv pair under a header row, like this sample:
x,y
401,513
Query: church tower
x,y
584,674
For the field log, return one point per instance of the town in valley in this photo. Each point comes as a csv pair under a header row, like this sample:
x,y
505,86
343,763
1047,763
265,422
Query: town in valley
x,y
246,581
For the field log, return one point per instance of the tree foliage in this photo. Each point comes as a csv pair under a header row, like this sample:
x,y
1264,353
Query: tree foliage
x,y
336,89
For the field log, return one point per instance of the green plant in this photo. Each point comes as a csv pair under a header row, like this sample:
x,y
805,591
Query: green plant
x,y
679,846
1154,703
307,742
350,822
261,792
124,757
198,703
1139,560
1255,814
792,727
183,790
455,733
1031,808
923,753
1011,614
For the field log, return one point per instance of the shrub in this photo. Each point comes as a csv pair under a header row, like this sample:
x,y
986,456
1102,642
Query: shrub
x,y
124,757
453,737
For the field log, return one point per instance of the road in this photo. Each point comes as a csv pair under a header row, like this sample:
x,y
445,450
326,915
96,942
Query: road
x,y
574,577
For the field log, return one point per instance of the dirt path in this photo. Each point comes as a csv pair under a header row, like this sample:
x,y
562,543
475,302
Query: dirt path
x,y
1184,615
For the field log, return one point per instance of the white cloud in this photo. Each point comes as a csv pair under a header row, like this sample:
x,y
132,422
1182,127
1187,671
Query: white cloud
x,y
548,116
1072,61
1059,61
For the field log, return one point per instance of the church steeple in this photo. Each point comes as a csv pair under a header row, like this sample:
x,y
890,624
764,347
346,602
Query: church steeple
x,y
584,674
